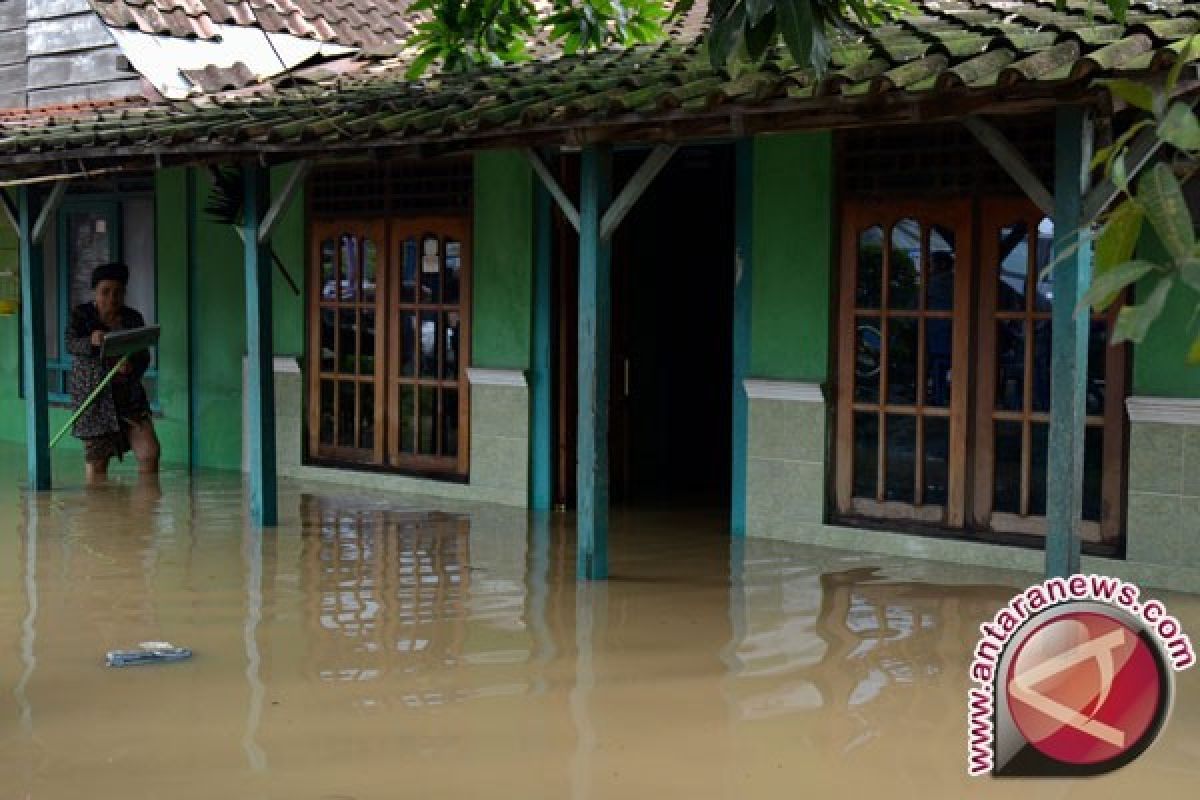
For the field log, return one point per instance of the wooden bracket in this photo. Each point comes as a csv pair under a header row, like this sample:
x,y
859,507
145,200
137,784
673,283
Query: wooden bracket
x,y
9,209
633,190
552,186
1141,151
1008,157
299,173
52,204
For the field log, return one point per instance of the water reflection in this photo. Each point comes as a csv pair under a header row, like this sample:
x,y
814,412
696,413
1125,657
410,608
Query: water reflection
x,y
368,649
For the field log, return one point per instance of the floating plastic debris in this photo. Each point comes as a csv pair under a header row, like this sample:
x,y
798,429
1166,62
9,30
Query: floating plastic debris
x,y
147,653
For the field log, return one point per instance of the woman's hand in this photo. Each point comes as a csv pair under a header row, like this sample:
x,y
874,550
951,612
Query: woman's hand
x,y
125,370
97,338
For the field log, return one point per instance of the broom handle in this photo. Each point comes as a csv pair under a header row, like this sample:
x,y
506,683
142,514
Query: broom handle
x,y
91,398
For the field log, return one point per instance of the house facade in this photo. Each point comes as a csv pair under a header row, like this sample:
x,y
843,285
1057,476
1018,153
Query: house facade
x,y
817,305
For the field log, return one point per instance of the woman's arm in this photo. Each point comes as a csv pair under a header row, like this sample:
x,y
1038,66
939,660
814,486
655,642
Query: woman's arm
x,y
79,334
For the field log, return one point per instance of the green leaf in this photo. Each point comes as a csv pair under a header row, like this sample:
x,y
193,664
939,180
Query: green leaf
x,y
796,25
1105,287
1185,55
1189,271
757,9
1118,237
1138,95
1180,127
1134,321
1120,9
1162,198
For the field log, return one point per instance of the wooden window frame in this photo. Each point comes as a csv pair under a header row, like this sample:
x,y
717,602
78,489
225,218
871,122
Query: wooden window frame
x,y
856,218
387,234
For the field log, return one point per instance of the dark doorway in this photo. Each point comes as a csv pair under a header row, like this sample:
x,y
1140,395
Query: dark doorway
x,y
672,282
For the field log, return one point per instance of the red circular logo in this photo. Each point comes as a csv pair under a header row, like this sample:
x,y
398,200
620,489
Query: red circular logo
x,y
1084,688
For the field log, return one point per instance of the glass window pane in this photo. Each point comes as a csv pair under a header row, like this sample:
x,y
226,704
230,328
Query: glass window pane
x,y
1043,341
431,270
328,271
939,361
366,414
1093,472
347,341
900,468
1006,447
904,273
1097,353
1010,365
350,267
328,340
89,244
1044,295
366,345
450,344
408,411
867,355
370,270
1014,268
408,343
902,360
450,422
1037,468
408,282
346,427
937,456
866,451
428,421
327,412
942,257
453,272
429,344
870,268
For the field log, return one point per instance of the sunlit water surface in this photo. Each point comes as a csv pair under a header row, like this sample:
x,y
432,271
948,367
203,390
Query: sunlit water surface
x,y
385,647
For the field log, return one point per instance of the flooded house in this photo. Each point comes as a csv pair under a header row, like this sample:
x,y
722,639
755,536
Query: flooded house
x,y
815,307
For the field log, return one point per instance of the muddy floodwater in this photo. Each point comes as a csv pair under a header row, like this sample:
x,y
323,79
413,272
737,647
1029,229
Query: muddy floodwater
x,y
381,646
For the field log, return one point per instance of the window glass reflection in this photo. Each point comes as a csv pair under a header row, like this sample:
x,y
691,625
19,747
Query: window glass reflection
x,y
904,271
1013,274
870,268
942,260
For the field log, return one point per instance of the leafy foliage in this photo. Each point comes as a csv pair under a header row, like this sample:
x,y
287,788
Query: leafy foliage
x,y
1157,201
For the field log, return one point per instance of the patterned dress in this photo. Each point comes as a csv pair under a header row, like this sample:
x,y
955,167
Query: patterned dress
x,y
104,427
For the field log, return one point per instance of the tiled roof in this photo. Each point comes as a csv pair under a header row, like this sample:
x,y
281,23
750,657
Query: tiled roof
x,y
353,23
948,54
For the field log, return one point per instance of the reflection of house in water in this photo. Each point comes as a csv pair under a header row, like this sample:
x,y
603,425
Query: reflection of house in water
x,y
386,592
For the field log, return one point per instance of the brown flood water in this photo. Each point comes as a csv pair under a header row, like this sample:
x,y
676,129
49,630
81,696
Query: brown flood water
x,y
384,647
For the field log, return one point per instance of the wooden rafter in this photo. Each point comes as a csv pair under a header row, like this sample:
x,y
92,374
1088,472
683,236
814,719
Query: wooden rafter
x,y
1010,158
1141,151
299,173
9,209
52,204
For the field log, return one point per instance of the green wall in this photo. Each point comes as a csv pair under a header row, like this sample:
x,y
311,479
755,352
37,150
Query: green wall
x,y
1160,366
503,261
792,256
201,415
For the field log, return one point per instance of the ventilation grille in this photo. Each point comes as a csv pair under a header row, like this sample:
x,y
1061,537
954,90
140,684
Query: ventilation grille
x,y
940,159
412,189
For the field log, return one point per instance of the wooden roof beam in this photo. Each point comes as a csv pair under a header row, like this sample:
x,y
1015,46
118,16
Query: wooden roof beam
x,y
1141,151
52,204
9,209
1010,158
299,173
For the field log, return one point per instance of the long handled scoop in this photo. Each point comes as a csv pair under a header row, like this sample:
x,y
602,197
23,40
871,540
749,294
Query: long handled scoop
x,y
124,344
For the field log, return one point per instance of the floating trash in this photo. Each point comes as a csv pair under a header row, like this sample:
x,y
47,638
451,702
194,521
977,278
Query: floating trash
x,y
147,653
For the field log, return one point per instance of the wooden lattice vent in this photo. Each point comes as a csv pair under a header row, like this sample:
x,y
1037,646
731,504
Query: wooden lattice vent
x,y
407,189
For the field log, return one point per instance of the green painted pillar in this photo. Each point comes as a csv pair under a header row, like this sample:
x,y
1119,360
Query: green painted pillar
x,y
260,385
743,233
595,302
541,384
1069,351
33,344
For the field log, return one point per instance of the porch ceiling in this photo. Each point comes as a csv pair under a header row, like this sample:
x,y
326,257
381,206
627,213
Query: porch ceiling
x,y
947,59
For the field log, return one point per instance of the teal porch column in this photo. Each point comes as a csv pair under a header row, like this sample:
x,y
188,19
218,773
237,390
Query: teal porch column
x,y
541,384
595,299
743,233
33,343
260,385
1068,359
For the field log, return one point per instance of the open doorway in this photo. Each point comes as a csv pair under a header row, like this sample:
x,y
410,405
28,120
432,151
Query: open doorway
x,y
672,299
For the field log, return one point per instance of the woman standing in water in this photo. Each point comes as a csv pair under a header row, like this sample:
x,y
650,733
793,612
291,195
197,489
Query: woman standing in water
x,y
119,420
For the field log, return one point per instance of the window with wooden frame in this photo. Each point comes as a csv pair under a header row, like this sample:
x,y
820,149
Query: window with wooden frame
x,y
388,343
944,371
